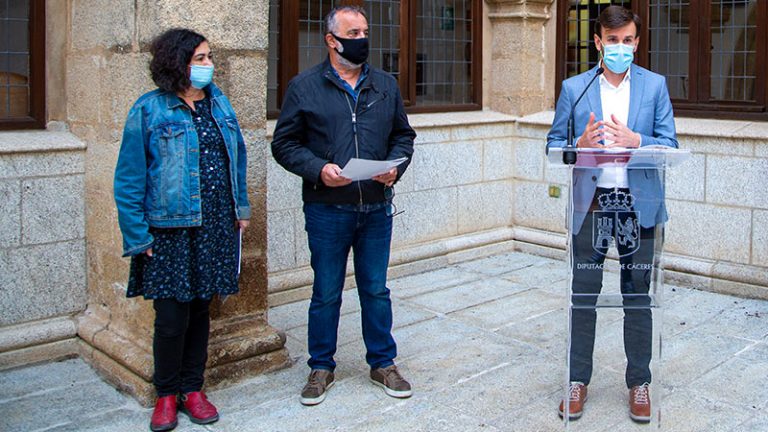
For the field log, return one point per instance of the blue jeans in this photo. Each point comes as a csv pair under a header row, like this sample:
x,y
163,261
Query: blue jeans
x,y
332,230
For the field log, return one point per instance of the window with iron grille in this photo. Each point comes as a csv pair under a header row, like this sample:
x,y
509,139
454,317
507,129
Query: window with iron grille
x,y
432,47
714,54
22,64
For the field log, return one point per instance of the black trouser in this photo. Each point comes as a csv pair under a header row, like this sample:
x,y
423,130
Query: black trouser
x,y
180,345
636,273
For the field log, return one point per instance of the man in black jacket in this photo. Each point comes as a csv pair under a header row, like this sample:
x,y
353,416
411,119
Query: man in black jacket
x,y
338,110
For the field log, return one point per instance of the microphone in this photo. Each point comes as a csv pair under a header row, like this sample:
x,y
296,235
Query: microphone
x,y
569,151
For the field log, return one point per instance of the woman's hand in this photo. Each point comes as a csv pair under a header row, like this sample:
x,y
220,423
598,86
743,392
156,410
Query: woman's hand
x,y
242,224
148,252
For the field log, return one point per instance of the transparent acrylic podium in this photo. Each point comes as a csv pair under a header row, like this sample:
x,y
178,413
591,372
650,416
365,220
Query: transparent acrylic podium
x,y
615,292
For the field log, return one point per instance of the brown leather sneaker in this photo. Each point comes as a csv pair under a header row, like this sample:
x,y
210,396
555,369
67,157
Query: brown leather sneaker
x,y
318,383
391,381
640,403
577,396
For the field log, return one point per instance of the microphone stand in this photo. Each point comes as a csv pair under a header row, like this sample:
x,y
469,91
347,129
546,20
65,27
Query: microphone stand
x,y
569,151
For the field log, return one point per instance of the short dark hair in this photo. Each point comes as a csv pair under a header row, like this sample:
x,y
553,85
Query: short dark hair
x,y
614,17
329,23
171,53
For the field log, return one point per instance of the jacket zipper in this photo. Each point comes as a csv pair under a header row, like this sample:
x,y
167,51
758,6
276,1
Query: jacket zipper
x,y
353,111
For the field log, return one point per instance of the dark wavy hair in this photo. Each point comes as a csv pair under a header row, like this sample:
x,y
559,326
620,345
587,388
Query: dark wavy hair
x,y
614,17
171,53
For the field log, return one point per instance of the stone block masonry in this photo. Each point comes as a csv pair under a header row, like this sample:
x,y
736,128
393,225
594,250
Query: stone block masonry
x,y
42,245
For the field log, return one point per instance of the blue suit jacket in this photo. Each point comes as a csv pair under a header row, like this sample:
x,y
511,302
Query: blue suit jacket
x,y
650,115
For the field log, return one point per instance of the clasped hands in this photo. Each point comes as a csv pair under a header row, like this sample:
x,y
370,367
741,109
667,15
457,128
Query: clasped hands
x,y
613,130
331,176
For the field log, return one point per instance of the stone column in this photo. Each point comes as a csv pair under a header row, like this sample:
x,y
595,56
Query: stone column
x,y
522,64
107,70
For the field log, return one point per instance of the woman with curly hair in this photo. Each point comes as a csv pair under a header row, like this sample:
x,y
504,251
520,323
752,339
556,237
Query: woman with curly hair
x,y
182,202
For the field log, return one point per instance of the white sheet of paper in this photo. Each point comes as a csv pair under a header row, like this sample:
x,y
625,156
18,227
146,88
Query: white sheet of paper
x,y
365,169
239,249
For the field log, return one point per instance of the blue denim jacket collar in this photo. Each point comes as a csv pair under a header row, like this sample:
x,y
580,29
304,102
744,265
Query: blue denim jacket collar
x,y
172,100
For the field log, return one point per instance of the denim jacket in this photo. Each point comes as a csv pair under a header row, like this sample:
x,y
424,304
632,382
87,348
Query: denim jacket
x,y
157,180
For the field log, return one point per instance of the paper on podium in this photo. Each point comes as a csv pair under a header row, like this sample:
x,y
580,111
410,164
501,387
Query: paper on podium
x,y
365,169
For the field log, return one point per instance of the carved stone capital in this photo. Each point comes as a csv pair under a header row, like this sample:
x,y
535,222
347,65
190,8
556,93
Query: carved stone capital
x,y
500,10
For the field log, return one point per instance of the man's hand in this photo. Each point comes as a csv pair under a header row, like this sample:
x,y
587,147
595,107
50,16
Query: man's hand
x,y
387,178
330,176
242,224
149,252
621,135
592,134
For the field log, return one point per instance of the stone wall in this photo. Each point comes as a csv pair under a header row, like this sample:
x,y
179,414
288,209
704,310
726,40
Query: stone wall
x,y
42,245
42,223
479,184
457,195
717,235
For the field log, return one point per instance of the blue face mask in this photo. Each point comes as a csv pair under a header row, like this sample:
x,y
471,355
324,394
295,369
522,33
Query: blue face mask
x,y
200,76
618,57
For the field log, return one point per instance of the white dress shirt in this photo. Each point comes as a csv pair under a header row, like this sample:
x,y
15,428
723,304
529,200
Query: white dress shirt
x,y
614,100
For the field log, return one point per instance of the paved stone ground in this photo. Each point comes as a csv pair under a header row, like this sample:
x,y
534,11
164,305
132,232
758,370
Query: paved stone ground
x,y
483,344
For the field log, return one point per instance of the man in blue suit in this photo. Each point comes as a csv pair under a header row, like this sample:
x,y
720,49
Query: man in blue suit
x,y
614,203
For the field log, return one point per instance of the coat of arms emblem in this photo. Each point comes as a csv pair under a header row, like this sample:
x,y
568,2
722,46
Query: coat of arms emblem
x,y
616,224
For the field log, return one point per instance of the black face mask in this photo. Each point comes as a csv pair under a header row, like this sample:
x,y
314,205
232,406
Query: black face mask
x,y
355,50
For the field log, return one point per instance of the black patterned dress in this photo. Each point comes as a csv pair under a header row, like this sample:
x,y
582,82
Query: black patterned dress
x,y
189,263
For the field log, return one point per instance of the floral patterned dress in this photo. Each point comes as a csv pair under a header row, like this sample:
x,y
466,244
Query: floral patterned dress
x,y
198,262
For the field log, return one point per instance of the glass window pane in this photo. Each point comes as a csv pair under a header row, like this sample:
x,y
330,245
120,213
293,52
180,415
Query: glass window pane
x,y
581,54
669,44
273,56
17,9
443,69
17,36
18,66
384,24
14,59
444,52
734,50
19,101
311,45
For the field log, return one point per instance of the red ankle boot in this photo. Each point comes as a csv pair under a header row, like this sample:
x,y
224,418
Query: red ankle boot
x,y
197,407
164,417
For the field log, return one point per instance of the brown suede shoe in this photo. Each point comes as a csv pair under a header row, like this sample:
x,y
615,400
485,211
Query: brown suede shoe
x,y
577,396
640,403
391,381
318,383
